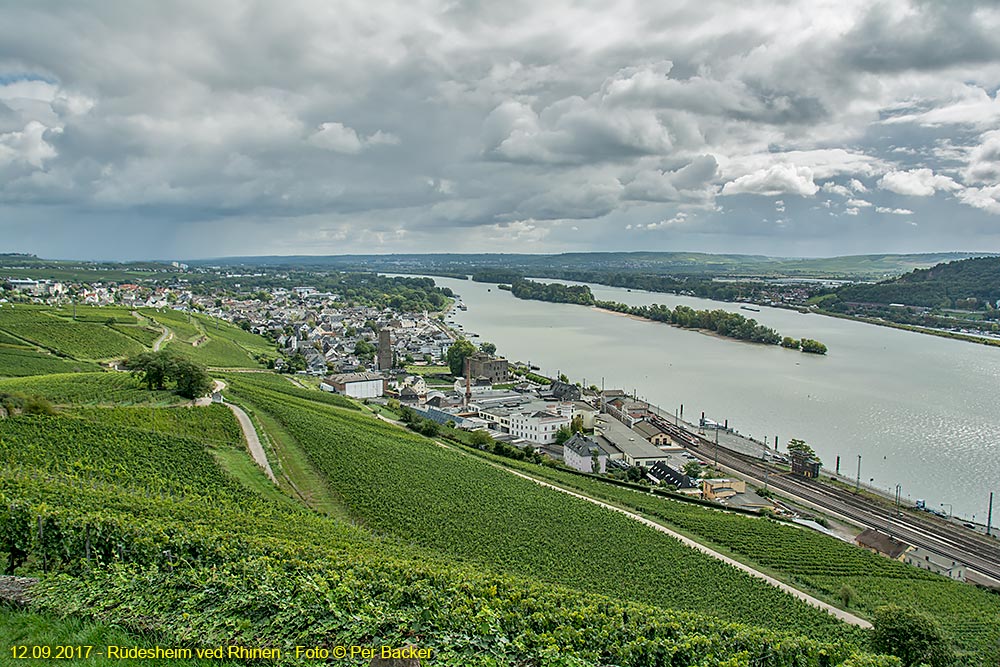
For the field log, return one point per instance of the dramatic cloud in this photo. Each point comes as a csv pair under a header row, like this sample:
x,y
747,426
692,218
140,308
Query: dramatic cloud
x,y
779,179
183,128
917,182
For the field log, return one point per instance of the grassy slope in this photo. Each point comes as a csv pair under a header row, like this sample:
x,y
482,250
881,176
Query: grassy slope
x,y
406,486
246,568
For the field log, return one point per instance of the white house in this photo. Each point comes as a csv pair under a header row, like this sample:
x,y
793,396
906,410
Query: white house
x,y
355,385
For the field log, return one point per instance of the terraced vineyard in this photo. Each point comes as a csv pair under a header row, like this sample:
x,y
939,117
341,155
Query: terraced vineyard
x,y
90,339
19,362
211,342
446,501
281,385
140,528
89,389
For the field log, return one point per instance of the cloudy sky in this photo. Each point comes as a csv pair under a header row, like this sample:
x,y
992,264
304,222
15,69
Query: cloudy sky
x,y
199,129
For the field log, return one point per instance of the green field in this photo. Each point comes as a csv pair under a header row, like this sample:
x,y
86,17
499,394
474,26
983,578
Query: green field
x,y
17,362
129,519
443,500
89,389
97,334
812,561
209,341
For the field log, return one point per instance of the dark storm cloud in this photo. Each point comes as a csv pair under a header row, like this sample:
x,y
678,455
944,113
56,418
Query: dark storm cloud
x,y
927,35
240,126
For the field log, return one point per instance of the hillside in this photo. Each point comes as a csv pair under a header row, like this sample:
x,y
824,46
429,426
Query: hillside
x,y
644,262
968,283
151,517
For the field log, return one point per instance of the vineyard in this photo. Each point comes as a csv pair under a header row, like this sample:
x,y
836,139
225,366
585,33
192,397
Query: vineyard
x,y
78,339
211,342
814,562
89,389
137,526
406,486
280,385
19,362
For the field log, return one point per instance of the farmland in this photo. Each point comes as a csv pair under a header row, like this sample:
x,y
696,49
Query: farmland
x,y
443,500
138,527
812,561
19,362
211,342
93,336
89,389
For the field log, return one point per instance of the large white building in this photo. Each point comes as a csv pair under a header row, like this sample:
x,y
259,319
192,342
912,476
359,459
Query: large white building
x,y
355,385
537,421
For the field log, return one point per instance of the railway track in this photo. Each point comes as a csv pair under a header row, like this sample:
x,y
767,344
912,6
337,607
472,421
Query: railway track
x,y
978,553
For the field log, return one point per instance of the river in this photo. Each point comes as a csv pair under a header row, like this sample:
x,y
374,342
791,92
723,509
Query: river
x,y
921,411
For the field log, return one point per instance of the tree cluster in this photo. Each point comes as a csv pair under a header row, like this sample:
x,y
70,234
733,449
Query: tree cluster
x,y
553,292
156,369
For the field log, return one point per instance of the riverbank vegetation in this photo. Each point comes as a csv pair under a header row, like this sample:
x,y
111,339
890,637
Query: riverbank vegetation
x,y
722,322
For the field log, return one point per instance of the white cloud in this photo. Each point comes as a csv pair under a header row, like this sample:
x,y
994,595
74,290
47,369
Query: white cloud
x,y
893,211
917,182
837,189
970,105
778,179
339,138
678,219
984,160
28,146
985,198
858,203
858,186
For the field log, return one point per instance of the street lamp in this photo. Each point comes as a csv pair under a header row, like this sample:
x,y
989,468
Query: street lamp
x,y
949,508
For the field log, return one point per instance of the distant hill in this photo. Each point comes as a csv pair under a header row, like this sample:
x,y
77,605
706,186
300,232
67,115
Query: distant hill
x,y
867,267
949,285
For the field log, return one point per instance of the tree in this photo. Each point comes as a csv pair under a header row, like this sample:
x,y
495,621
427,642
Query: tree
x,y
914,637
457,353
812,346
847,595
790,343
481,439
576,424
157,368
563,378
192,380
692,469
153,368
488,348
563,434
796,446
636,474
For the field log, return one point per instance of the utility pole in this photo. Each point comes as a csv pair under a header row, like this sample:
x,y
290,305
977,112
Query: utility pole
x,y
716,445
899,488
857,485
767,471
989,516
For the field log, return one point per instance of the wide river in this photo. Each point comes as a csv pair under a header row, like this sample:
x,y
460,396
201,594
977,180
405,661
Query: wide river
x,y
922,411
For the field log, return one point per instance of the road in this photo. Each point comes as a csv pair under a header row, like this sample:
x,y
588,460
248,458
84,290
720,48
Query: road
x,y
164,337
249,431
253,442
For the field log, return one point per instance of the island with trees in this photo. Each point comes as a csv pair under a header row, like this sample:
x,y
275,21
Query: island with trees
x,y
722,322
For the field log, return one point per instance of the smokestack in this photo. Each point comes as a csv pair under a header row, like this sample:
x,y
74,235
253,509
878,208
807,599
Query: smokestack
x,y
468,382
